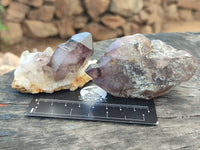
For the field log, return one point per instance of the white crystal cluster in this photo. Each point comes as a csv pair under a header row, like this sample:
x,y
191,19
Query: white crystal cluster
x,y
51,71
32,77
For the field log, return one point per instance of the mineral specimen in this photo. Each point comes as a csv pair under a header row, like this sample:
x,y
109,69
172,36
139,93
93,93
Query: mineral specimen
x,y
136,67
50,71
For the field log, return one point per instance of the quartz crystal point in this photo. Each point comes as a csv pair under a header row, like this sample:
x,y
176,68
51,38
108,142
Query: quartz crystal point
x,y
50,71
70,56
136,67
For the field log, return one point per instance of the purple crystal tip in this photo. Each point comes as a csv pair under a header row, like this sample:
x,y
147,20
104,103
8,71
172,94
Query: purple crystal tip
x,y
84,38
72,55
134,66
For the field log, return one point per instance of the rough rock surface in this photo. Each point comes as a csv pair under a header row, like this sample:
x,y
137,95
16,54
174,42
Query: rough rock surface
x,y
156,17
45,13
67,8
65,28
134,66
80,22
147,29
5,2
171,12
130,28
16,12
96,7
39,29
185,14
49,2
113,21
143,15
14,34
50,71
34,3
197,15
192,4
126,8
100,32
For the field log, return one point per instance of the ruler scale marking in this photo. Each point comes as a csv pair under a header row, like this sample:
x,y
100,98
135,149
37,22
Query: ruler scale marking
x,y
79,104
69,105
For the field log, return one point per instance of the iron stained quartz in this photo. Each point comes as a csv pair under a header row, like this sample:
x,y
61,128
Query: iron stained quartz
x,y
136,67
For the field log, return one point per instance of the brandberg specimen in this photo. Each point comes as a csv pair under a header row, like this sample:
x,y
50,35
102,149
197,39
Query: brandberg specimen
x,y
50,71
136,67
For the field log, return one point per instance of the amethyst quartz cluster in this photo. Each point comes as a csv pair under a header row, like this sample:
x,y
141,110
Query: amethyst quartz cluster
x,y
136,67
51,71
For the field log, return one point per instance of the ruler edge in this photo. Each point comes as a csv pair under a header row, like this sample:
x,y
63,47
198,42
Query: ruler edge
x,y
28,114
92,119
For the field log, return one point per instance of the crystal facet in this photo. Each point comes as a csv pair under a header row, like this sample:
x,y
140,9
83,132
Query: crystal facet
x,y
134,66
71,56
50,71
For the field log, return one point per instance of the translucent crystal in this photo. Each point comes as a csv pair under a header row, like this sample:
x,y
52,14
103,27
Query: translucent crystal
x,y
72,55
50,71
134,66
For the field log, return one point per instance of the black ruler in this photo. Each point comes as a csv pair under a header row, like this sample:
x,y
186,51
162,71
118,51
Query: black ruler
x,y
93,103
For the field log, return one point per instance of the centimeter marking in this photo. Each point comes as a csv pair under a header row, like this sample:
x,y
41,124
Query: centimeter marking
x,y
107,106
98,103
